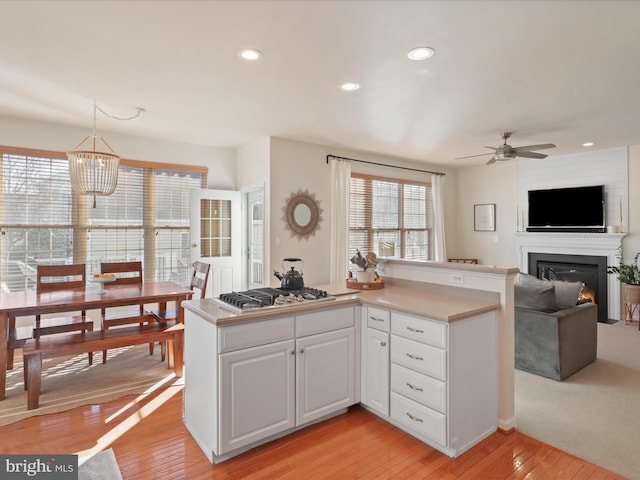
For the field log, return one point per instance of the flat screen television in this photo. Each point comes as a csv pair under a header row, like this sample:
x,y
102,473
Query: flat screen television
x,y
573,209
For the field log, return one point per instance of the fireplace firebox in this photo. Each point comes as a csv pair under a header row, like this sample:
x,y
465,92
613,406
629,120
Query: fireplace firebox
x,y
588,269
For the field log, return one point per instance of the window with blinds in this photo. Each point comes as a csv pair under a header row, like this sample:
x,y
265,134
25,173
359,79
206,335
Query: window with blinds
x,y
390,217
42,222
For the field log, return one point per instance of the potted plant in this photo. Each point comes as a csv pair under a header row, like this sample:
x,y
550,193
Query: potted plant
x,y
629,275
367,264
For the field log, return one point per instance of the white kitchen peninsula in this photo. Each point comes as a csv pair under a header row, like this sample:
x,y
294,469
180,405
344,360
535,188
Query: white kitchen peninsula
x,y
254,376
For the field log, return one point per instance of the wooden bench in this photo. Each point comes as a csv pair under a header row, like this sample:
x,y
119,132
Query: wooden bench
x,y
72,344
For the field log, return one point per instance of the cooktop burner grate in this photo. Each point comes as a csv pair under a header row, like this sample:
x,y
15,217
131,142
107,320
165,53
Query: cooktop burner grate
x,y
267,297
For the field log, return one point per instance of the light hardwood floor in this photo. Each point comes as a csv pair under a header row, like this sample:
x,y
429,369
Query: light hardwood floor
x,y
150,441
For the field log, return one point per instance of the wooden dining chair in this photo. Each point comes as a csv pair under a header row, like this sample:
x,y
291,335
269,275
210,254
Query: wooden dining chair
x,y
55,278
51,278
198,283
126,273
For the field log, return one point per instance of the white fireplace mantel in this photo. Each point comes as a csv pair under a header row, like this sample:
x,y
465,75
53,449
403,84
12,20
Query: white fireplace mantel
x,y
596,244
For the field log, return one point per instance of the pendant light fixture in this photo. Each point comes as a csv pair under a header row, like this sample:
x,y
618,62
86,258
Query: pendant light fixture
x,y
95,172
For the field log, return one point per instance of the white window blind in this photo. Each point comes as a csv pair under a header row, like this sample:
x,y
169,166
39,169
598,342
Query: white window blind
x,y
43,222
390,217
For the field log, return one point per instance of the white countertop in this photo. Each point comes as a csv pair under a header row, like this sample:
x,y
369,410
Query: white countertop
x,y
437,302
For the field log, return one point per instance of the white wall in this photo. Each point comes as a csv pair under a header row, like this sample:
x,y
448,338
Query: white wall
x,y
631,243
47,136
487,184
599,167
254,169
253,163
299,165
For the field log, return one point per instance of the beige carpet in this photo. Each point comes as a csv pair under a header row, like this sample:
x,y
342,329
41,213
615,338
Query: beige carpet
x,y
595,413
69,381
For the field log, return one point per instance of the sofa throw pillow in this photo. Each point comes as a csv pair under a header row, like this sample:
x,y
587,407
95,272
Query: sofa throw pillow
x,y
567,293
530,280
535,297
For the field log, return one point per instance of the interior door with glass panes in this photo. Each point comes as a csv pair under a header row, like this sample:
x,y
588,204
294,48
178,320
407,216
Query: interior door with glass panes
x,y
216,237
254,200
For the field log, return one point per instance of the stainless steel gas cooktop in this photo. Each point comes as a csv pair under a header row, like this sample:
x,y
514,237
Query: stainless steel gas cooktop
x,y
270,298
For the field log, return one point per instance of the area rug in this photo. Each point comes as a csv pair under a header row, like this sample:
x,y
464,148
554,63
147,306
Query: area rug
x,y
101,466
68,382
594,413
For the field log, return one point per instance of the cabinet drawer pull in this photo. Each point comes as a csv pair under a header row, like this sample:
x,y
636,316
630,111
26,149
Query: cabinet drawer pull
x,y
414,357
301,350
418,389
384,344
292,352
415,419
415,330
376,319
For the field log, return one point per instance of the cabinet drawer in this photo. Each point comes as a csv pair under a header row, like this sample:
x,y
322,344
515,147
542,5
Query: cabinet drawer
x,y
420,357
378,319
421,388
419,418
418,329
324,321
253,334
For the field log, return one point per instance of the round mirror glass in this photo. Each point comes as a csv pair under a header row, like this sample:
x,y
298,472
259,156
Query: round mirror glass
x,y
302,215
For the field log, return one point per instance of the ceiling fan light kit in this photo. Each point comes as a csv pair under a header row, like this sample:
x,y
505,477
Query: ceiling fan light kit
x,y
507,152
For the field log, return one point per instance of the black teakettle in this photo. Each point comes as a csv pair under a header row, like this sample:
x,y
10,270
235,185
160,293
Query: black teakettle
x,y
290,279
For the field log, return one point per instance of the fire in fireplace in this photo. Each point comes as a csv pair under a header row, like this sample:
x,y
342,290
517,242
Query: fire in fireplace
x,y
591,270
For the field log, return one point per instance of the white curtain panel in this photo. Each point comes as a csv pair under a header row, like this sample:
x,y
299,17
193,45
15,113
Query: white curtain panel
x,y
340,192
437,189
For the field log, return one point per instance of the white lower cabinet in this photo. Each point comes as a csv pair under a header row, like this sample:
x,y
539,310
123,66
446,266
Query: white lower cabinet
x,y
265,374
375,370
325,375
248,383
421,419
441,379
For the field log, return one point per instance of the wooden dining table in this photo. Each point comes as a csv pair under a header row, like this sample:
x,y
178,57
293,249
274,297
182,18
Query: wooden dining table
x,y
19,304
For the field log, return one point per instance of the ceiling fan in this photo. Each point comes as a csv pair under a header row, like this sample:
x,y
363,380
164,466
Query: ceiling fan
x,y
507,152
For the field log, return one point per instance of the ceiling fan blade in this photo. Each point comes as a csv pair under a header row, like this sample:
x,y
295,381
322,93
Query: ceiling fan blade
x,y
492,148
534,147
471,156
493,159
531,155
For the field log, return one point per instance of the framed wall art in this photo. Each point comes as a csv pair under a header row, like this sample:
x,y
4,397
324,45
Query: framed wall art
x,y
484,217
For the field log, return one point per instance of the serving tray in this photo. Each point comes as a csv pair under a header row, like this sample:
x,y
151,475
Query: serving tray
x,y
365,285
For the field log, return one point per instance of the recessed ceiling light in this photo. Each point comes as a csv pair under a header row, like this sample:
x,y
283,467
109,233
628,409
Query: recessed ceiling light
x,y
349,87
421,53
588,144
250,54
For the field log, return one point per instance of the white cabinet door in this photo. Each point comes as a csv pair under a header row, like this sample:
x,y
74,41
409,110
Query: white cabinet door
x,y
375,365
325,371
257,393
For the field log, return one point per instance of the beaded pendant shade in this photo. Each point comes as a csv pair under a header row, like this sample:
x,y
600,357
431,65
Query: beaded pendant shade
x,y
95,172
92,172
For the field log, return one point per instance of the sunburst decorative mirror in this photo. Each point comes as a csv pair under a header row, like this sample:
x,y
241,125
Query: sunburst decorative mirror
x,y
302,214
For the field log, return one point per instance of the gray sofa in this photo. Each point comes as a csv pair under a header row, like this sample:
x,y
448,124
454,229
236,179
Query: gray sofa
x,y
556,345
554,337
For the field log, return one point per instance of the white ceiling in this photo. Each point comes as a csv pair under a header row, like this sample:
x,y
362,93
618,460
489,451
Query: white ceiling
x,y
562,72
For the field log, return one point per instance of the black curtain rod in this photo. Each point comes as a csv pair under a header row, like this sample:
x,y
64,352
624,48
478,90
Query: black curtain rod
x,y
385,165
